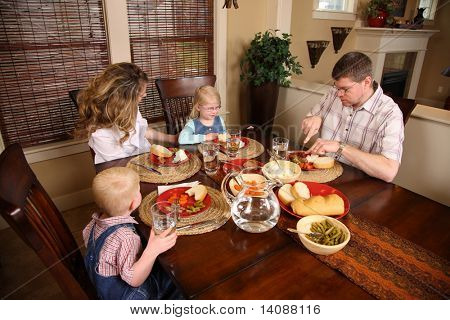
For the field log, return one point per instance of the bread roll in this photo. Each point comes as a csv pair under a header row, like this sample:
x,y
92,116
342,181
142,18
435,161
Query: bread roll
x,y
285,194
199,192
323,163
160,151
331,205
300,190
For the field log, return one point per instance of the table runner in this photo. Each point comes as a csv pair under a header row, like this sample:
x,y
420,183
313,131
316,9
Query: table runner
x,y
384,264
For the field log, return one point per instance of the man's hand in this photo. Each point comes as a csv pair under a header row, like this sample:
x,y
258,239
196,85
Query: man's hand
x,y
311,126
322,146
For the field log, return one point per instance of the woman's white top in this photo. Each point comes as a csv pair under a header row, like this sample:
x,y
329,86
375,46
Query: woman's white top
x,y
105,142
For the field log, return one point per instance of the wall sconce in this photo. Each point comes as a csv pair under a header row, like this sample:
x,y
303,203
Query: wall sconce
x,y
227,4
315,50
339,35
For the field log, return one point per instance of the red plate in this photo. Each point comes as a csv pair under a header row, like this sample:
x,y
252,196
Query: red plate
x,y
301,154
318,189
168,162
176,193
239,164
223,145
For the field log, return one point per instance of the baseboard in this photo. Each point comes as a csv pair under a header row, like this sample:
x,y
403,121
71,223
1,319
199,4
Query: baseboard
x,y
65,202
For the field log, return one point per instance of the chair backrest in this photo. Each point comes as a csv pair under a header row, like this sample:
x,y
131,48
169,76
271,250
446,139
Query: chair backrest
x,y
28,209
73,94
405,105
177,99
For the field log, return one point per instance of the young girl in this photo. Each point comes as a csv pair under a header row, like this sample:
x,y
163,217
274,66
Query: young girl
x,y
110,117
205,123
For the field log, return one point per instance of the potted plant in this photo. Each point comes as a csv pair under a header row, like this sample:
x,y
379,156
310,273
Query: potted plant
x,y
267,64
378,12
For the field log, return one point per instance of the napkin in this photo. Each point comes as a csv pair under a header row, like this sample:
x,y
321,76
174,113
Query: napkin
x,y
162,189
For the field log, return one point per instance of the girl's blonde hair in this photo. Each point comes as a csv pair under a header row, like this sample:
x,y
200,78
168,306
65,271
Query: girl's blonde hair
x,y
114,189
111,100
204,95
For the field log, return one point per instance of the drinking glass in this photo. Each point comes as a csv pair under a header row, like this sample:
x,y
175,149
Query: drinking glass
x,y
233,142
164,216
280,147
210,152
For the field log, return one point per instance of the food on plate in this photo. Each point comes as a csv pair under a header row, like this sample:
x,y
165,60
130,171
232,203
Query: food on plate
x,y
326,233
323,163
300,190
311,162
180,156
331,205
285,194
199,192
253,180
251,164
160,151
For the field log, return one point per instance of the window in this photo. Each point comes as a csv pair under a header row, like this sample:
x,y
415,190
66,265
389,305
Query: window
x,y
335,9
430,6
170,39
47,48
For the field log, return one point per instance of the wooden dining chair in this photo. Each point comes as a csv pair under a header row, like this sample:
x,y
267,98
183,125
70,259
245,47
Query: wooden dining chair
x,y
405,105
177,97
30,212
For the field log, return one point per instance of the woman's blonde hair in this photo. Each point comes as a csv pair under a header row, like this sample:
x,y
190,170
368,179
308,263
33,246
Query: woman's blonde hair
x,y
204,95
114,189
111,100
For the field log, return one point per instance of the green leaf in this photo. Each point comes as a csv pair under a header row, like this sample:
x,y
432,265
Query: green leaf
x,y
269,59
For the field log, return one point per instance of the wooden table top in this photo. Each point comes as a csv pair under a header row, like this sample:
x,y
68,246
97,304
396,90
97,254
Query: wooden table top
x,y
229,263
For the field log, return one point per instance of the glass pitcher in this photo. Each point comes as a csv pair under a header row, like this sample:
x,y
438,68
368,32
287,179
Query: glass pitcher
x,y
255,209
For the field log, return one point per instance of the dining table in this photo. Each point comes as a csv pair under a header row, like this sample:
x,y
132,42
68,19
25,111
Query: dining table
x,y
229,263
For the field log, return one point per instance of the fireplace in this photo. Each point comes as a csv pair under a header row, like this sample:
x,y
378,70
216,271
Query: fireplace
x,y
387,47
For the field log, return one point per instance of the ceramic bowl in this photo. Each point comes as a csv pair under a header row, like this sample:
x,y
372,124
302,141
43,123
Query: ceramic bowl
x,y
288,172
304,225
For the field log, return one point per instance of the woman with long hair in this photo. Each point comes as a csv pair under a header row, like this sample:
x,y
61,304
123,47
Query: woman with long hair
x,y
110,117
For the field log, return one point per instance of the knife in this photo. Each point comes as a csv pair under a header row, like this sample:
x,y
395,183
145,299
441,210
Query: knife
x,y
198,224
147,167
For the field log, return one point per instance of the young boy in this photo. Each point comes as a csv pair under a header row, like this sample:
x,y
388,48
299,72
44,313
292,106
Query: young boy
x,y
116,264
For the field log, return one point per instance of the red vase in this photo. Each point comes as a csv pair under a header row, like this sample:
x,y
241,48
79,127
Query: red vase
x,y
379,21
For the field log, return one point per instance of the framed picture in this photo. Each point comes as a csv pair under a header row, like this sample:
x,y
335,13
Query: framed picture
x,y
399,7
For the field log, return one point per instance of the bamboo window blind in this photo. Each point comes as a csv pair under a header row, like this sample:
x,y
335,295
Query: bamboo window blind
x,y
170,39
47,48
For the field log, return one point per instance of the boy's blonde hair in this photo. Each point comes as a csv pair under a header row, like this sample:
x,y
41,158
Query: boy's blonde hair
x,y
111,100
114,189
204,95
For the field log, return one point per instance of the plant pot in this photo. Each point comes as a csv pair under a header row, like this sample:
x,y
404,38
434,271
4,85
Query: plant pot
x,y
378,21
263,106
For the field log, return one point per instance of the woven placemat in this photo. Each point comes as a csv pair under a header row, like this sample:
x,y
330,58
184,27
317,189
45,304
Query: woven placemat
x,y
218,211
384,264
323,175
169,174
252,150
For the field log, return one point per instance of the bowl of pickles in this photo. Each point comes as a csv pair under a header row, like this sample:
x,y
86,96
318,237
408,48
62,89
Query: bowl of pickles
x,y
322,235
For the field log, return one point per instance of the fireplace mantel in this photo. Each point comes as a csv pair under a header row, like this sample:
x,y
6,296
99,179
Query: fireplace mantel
x,y
377,42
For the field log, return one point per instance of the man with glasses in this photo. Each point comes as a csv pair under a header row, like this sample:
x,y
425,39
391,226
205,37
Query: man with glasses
x,y
358,124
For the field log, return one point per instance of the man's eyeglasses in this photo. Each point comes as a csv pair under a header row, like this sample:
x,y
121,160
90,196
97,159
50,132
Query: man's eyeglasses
x,y
344,90
212,109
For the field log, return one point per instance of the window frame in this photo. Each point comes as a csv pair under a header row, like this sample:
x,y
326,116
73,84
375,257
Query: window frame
x,y
349,15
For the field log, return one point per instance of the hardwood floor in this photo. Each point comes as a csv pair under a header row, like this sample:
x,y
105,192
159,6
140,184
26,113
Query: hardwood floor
x,y
22,274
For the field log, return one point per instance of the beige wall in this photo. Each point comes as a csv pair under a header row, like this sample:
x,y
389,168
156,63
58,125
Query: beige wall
x,y
303,28
436,59
243,24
